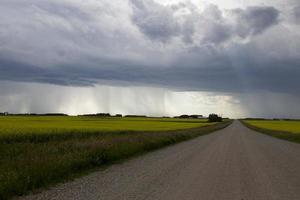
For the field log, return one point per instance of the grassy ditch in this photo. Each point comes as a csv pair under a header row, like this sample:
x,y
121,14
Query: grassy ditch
x,y
27,164
266,128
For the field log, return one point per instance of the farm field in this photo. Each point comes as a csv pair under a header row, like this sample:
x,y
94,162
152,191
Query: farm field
x,y
44,128
40,151
276,125
62,124
287,130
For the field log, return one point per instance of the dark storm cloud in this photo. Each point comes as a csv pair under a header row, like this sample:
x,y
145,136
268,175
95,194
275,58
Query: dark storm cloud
x,y
82,44
296,12
162,23
154,20
14,71
220,74
255,20
215,27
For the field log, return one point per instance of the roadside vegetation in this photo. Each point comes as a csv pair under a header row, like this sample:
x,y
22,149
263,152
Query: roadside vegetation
x,y
283,129
40,151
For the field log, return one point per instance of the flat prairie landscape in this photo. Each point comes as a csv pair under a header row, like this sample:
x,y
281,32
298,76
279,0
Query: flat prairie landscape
x,y
44,128
104,100
61,124
232,163
283,129
39,151
276,125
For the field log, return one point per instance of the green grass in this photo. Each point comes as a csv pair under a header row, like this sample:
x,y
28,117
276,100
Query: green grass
x,y
287,130
37,152
286,126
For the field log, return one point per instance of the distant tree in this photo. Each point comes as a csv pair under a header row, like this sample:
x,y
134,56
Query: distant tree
x,y
189,116
214,118
103,114
51,114
196,116
135,116
184,116
96,115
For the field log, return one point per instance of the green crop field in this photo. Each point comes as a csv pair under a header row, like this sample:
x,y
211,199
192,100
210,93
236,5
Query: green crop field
x,y
46,124
276,125
38,151
286,129
49,127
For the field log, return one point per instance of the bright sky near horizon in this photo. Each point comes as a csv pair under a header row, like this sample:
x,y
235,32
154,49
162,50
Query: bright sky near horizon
x,y
237,58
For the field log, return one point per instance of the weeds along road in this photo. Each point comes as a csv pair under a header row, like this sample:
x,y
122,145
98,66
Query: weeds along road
x,y
232,164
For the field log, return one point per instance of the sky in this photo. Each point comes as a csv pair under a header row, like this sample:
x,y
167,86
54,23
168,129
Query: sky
x,y
236,58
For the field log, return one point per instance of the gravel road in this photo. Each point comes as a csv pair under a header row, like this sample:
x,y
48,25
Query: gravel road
x,y
235,163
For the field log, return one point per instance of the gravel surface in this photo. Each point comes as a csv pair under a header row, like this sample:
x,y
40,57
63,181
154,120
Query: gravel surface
x,y
235,163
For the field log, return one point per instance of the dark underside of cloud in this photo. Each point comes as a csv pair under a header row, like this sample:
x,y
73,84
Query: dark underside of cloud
x,y
296,12
276,76
213,50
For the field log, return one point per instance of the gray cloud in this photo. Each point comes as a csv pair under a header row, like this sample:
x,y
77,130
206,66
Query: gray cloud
x,y
255,20
87,43
154,20
296,12
246,70
212,25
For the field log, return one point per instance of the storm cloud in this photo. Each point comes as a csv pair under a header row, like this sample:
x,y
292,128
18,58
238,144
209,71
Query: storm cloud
x,y
180,46
162,23
255,20
296,12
